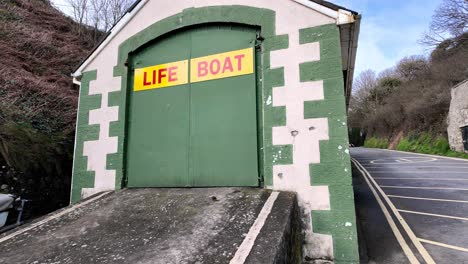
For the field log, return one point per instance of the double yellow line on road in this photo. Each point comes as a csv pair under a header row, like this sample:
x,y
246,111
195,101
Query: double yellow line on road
x,y
406,249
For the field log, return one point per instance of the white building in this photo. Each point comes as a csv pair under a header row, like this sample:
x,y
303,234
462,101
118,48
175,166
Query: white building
x,y
458,118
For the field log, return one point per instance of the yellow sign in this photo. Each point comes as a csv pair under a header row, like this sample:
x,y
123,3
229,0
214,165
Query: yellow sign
x,y
160,76
223,65
218,66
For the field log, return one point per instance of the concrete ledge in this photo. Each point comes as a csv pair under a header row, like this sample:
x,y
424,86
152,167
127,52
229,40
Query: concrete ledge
x,y
161,226
280,240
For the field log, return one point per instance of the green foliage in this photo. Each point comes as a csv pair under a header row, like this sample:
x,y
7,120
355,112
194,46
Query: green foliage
x,y
389,83
424,143
375,142
428,144
36,165
28,149
421,143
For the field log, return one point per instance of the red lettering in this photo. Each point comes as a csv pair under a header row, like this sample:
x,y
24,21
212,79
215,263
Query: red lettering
x,y
173,74
216,63
154,76
227,65
161,75
202,69
239,61
145,78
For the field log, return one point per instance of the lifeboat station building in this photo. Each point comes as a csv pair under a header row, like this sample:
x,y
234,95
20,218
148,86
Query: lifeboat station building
x,y
223,93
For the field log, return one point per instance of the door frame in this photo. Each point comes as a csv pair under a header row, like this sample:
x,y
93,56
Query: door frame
x,y
259,91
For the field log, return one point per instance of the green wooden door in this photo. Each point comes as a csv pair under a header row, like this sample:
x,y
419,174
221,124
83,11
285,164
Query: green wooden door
x,y
158,121
196,134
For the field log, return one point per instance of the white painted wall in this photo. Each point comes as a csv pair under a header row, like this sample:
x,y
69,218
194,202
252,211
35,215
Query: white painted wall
x,y
304,135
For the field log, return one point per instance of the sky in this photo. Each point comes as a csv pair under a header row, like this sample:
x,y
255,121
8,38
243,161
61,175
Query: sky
x,y
390,29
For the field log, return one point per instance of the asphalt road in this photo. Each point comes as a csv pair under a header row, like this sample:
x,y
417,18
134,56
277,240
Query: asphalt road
x,y
412,208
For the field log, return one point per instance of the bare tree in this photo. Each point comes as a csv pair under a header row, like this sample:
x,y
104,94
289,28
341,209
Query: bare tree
x,y
98,17
449,20
100,14
97,11
114,10
358,108
365,81
412,67
80,12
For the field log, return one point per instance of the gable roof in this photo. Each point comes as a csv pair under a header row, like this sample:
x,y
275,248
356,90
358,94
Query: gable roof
x,y
348,20
77,72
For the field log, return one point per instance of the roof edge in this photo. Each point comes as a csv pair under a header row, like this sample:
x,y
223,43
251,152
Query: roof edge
x,y
460,84
333,6
340,14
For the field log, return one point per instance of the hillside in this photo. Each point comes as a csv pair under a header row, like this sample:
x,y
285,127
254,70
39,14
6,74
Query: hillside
x,y
406,106
40,48
409,103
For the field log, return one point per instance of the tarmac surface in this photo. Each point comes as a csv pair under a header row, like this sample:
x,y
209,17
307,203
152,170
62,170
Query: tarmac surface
x,y
169,225
412,208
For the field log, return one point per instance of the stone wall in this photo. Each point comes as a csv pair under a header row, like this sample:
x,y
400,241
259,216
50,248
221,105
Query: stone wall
x,y
458,116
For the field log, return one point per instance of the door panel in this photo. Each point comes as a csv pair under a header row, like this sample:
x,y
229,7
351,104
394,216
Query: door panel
x,y
158,122
223,116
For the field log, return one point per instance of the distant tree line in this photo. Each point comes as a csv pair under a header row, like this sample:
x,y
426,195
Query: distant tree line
x,y
414,96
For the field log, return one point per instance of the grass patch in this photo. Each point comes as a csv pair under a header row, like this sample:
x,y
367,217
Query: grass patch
x,y
375,142
423,143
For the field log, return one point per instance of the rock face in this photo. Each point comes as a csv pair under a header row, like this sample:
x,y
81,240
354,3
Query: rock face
x,y
458,116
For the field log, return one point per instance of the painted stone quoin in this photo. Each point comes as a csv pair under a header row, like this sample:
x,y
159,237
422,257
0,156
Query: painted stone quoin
x,y
226,93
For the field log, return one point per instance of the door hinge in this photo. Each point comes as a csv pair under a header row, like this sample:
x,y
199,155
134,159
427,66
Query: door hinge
x,y
260,37
258,41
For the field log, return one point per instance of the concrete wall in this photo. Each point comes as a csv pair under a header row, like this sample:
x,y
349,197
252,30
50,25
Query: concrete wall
x,y
458,116
304,116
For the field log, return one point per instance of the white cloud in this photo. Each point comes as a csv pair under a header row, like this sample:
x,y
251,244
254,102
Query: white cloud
x,y
390,30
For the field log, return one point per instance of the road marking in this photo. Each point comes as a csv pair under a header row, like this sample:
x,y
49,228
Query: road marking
x,y
244,249
424,198
424,188
424,167
52,217
437,215
390,178
406,249
428,155
443,245
401,160
402,221
439,172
